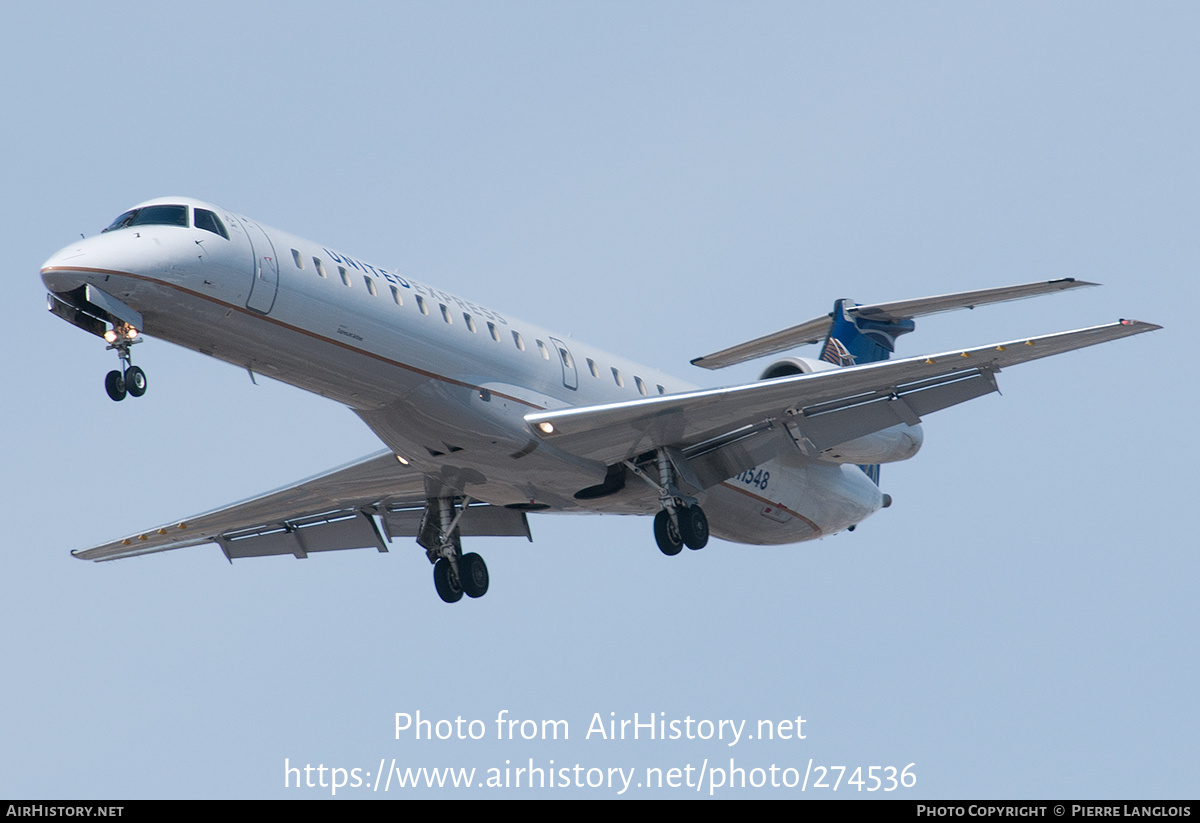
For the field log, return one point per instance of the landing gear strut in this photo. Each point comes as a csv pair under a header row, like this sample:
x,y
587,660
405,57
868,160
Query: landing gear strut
x,y
454,573
129,379
681,522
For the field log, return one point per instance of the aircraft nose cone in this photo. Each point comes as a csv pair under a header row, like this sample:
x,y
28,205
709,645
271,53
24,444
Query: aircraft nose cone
x,y
64,256
60,272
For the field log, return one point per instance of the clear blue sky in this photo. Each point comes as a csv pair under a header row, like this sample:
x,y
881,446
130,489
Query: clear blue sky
x,y
662,180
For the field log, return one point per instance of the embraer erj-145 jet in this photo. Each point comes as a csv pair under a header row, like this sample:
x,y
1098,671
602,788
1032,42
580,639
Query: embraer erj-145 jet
x,y
486,418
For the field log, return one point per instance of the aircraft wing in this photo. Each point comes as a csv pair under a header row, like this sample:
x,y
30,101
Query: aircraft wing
x,y
826,407
323,513
340,509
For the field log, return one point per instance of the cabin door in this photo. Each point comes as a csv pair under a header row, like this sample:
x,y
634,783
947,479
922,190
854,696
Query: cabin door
x,y
266,269
570,374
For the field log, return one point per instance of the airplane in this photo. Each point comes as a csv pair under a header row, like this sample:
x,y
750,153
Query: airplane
x,y
486,418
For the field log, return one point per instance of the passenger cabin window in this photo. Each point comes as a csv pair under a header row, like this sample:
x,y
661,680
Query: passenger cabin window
x,y
298,260
592,367
517,339
370,285
316,262
493,331
470,321
641,386
617,377
421,305
209,221
543,350
396,296
661,390
345,276
151,216
445,313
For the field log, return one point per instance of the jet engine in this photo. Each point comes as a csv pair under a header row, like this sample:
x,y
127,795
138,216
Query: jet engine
x,y
890,445
794,365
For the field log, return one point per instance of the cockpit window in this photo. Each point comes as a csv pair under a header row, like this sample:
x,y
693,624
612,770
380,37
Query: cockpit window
x,y
122,221
151,216
208,221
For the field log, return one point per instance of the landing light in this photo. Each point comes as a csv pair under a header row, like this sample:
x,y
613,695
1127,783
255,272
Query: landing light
x,y
546,428
111,336
403,462
131,333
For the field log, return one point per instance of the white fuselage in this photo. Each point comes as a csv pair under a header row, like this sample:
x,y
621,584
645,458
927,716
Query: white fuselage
x,y
445,383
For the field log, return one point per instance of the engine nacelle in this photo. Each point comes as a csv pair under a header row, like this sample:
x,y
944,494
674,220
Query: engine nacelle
x,y
891,445
794,365
899,442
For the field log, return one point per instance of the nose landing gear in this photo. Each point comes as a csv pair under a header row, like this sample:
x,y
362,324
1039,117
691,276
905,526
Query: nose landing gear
x,y
129,379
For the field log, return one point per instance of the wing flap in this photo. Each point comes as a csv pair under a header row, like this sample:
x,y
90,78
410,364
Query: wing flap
x,y
619,431
825,427
335,531
745,450
479,520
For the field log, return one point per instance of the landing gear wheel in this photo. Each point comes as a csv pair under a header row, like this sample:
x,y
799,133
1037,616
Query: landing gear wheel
x,y
474,574
693,527
135,381
114,384
666,533
447,588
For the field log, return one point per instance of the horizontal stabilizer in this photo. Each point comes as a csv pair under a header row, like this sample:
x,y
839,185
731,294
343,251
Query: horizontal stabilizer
x,y
817,329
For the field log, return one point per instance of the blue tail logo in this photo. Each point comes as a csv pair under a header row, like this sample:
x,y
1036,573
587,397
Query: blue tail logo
x,y
854,340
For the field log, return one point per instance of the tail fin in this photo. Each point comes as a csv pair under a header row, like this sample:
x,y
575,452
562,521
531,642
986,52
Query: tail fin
x,y
855,339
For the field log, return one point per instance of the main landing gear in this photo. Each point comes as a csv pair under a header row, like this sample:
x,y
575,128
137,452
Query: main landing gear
x,y
129,379
454,573
686,526
681,522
